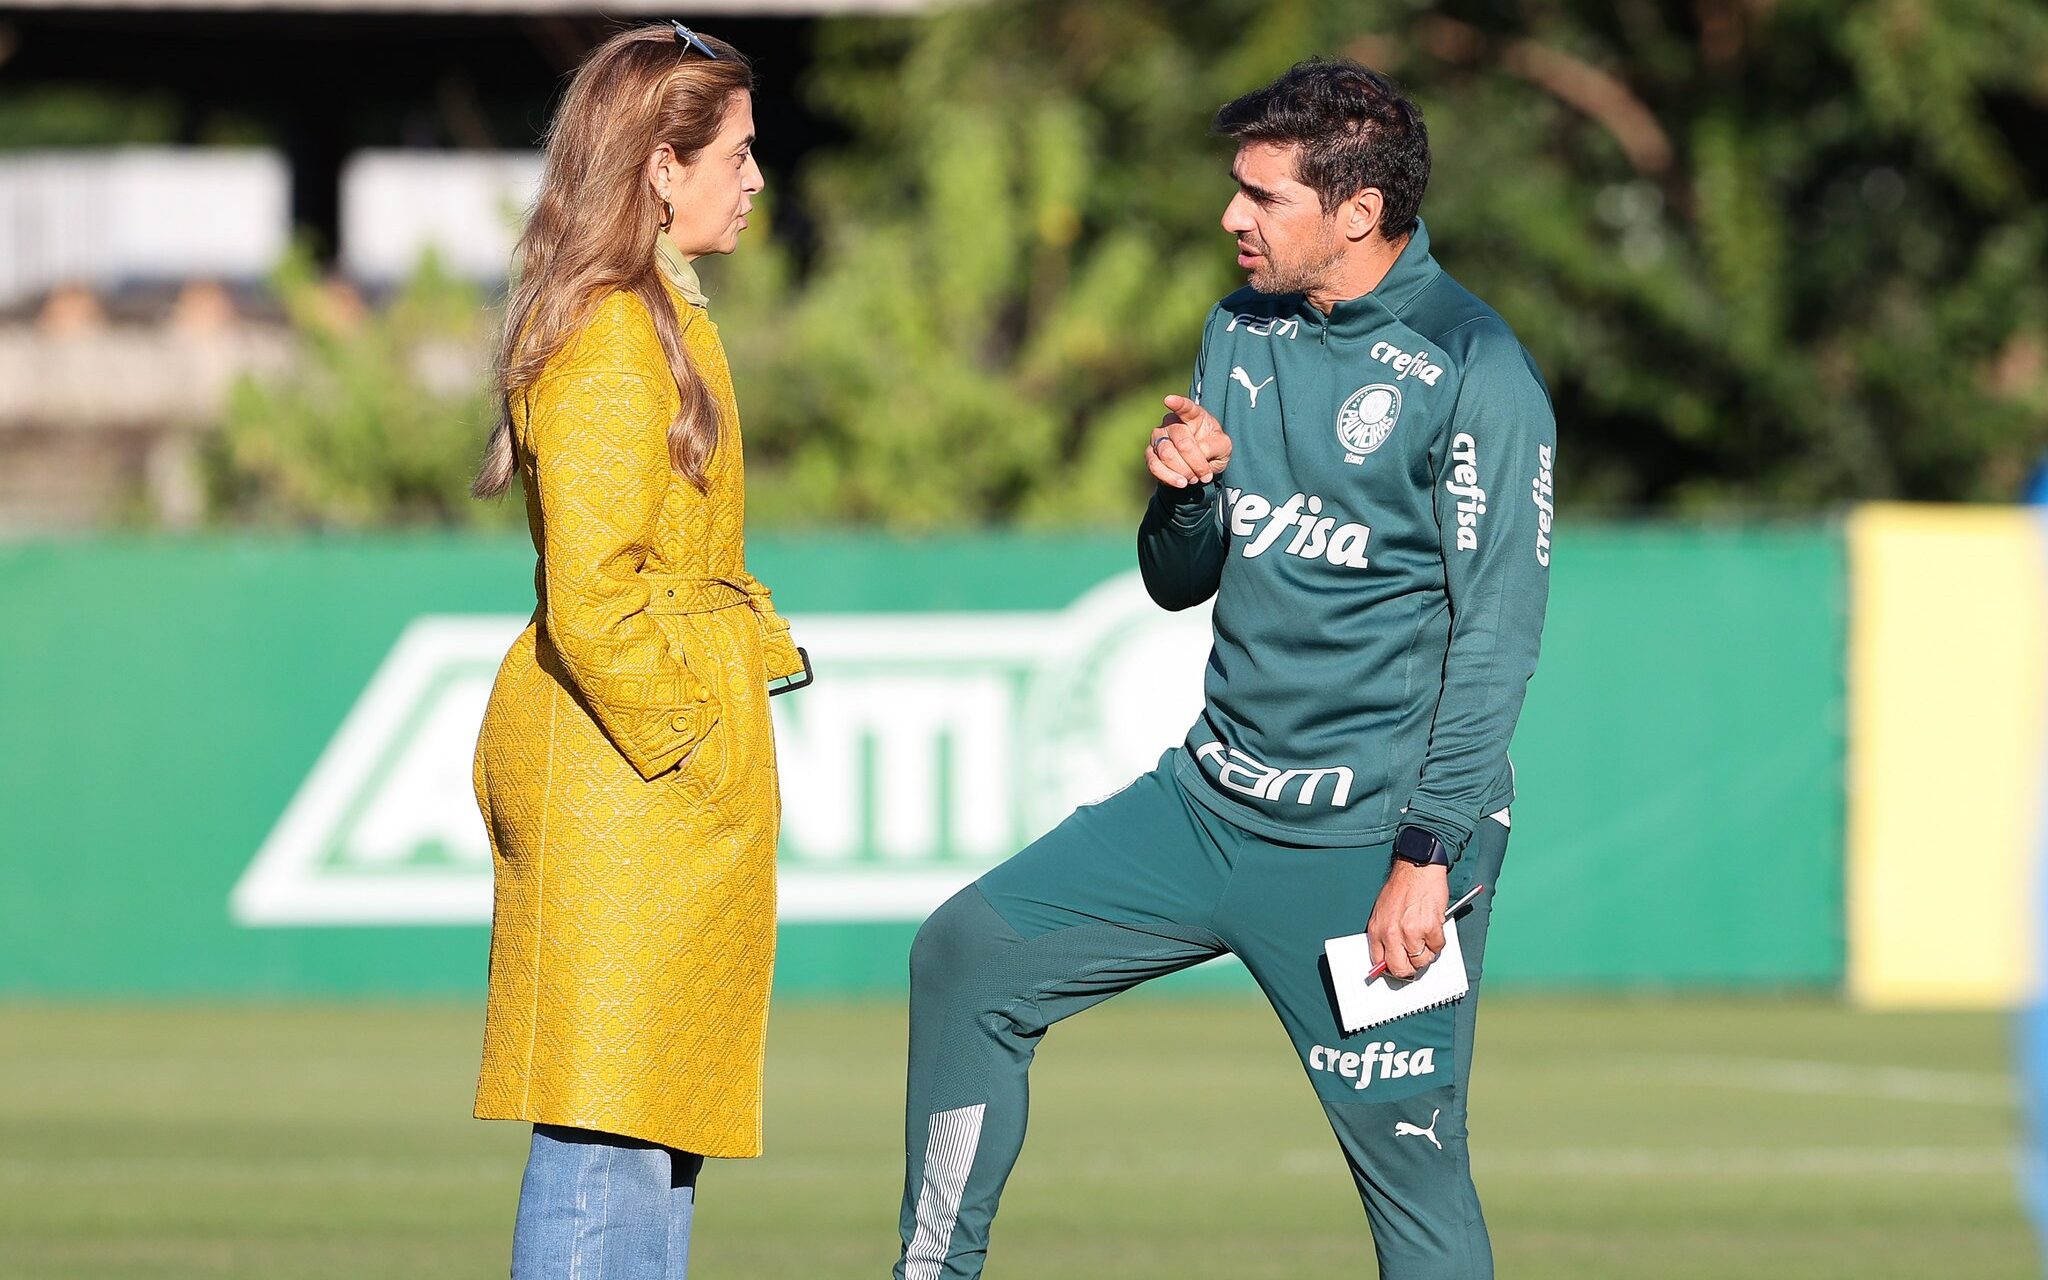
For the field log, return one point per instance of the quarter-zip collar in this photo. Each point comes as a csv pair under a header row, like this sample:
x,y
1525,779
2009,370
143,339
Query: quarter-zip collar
x,y
1413,270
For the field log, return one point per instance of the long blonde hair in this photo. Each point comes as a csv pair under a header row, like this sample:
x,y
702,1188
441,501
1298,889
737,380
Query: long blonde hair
x,y
593,224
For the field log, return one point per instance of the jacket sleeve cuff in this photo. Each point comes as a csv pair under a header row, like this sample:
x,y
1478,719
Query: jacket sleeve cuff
x,y
670,738
1454,833
780,655
778,650
1190,510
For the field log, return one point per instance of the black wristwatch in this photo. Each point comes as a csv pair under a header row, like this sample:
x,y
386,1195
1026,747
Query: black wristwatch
x,y
1413,844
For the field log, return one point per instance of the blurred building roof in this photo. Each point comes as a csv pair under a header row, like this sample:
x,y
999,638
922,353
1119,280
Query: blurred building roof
x,y
612,8
106,216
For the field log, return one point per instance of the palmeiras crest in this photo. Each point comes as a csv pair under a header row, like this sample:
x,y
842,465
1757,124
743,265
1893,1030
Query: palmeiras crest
x,y
1367,418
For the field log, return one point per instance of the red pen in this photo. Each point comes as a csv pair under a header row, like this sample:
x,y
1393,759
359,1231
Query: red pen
x,y
1449,911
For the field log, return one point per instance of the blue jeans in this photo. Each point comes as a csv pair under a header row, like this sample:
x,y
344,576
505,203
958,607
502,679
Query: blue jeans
x,y
594,1206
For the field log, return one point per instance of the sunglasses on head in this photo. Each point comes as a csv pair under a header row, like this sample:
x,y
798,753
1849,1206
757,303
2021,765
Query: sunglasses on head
x,y
690,39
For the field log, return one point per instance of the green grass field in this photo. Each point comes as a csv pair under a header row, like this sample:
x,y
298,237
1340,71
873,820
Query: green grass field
x,y
1172,1137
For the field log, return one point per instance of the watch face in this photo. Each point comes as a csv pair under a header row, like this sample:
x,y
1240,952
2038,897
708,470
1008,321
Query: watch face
x,y
1413,844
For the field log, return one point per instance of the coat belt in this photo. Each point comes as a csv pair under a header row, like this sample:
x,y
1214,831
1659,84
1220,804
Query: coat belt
x,y
687,593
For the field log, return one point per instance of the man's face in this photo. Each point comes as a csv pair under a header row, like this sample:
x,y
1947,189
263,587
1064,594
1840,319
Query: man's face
x,y
1285,242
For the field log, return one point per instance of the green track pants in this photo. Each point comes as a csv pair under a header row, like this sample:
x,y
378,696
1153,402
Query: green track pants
x,y
1140,885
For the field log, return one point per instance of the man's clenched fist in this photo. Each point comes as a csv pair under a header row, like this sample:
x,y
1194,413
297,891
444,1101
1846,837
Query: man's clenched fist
x,y
1189,445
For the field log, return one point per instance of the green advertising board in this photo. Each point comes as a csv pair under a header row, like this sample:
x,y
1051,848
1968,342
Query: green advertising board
x,y
238,767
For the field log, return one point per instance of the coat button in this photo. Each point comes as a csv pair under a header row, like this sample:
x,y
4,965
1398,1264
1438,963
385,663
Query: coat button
x,y
679,722
703,693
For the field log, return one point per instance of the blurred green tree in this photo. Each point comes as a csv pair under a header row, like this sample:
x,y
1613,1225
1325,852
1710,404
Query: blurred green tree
x,y
1772,254
82,115
381,419
72,116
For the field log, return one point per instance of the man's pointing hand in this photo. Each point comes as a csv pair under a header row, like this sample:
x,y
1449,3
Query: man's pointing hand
x,y
1189,445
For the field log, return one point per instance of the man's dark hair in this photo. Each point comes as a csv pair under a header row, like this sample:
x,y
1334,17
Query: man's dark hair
x,y
1354,129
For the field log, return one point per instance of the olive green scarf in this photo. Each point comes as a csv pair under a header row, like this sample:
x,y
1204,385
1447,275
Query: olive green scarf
x,y
679,271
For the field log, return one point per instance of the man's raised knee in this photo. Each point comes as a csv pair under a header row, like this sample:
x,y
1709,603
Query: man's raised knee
x,y
958,940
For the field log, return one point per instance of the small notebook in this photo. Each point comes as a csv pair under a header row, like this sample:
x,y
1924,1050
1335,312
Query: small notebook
x,y
1362,1004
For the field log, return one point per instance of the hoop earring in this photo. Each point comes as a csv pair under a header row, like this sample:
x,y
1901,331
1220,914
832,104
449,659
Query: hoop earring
x,y
668,214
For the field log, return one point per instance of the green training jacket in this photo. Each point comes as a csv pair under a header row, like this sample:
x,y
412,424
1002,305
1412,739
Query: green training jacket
x,y
1379,552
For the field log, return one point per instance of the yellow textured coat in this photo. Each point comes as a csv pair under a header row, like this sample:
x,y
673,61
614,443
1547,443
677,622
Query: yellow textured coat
x,y
626,769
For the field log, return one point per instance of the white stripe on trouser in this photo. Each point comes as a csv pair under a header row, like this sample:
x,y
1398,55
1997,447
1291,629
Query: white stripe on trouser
x,y
948,1155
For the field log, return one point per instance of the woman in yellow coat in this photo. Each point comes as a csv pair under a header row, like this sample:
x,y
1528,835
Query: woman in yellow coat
x,y
626,768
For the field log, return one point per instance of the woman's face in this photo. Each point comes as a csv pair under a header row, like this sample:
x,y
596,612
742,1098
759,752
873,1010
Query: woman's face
x,y
713,192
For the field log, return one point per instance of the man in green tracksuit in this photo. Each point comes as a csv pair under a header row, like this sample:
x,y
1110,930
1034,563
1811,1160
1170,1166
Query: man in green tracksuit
x,y
1379,557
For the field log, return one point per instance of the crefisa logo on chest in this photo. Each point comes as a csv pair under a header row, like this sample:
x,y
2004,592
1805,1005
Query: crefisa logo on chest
x,y
1367,418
